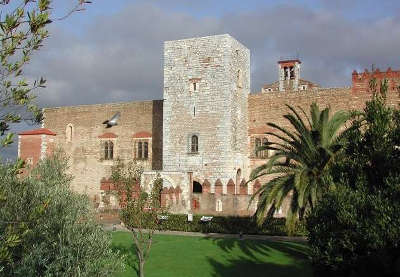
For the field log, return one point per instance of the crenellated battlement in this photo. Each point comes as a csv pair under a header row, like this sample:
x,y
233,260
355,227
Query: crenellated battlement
x,y
360,81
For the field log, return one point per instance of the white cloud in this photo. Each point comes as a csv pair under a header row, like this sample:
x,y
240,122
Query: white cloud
x,y
118,57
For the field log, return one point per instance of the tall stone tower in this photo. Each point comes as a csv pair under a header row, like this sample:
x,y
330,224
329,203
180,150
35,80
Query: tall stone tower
x,y
289,74
206,87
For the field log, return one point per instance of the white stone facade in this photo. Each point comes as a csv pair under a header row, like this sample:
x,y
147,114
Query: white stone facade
x,y
206,88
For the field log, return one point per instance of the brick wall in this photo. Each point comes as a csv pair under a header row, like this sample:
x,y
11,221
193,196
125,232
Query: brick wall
x,y
270,107
30,148
361,80
34,145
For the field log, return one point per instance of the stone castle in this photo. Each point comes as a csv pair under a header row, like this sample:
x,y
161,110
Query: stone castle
x,y
201,137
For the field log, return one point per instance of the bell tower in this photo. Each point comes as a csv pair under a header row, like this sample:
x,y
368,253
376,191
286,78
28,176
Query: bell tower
x,y
289,74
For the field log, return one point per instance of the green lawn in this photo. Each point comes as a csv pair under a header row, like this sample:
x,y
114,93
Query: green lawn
x,y
181,256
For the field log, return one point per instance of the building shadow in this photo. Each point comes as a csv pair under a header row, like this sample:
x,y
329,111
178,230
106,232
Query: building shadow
x,y
261,258
126,250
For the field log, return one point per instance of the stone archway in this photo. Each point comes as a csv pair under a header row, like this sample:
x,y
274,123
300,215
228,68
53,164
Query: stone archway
x,y
197,187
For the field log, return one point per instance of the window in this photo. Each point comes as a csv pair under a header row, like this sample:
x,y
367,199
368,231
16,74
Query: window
x,y
218,206
239,79
194,144
194,84
292,72
264,153
146,150
108,150
303,87
142,152
69,132
257,145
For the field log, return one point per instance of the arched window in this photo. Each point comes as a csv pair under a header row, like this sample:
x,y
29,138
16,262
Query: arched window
x,y
108,150
69,132
194,144
256,146
197,187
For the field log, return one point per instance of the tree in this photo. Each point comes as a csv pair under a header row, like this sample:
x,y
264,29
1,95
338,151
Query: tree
x,y
23,31
141,212
53,228
300,164
355,230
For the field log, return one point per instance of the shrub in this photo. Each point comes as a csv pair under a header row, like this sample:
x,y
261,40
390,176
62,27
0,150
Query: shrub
x,y
60,236
227,225
354,233
355,230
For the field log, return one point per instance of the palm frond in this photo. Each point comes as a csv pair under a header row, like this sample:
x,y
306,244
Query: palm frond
x,y
302,158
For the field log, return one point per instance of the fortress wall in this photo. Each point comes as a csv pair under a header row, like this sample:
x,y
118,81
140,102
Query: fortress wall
x,y
270,107
86,149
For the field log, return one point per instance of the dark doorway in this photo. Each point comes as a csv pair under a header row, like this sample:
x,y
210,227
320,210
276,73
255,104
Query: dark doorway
x,y
197,188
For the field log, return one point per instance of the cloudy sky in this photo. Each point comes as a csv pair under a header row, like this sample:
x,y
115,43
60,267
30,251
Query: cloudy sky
x,y
112,51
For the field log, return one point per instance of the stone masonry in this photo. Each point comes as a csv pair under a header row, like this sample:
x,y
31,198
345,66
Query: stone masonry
x,y
201,138
215,110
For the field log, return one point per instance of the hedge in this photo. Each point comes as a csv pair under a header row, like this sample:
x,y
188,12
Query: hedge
x,y
227,225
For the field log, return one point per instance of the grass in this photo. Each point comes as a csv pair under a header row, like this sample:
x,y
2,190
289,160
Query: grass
x,y
198,256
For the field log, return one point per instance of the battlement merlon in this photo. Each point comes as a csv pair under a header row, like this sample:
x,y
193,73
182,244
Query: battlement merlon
x,y
360,81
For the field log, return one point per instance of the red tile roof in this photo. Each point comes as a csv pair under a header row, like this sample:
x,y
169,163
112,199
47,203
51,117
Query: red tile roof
x,y
41,131
108,135
142,135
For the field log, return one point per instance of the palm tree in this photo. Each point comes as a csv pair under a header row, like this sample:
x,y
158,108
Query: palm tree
x,y
300,164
